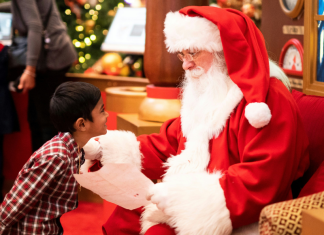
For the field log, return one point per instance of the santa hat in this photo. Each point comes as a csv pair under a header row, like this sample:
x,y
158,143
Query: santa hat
x,y
215,29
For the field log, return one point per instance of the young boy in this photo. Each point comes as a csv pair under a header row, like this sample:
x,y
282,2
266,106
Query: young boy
x,y
45,188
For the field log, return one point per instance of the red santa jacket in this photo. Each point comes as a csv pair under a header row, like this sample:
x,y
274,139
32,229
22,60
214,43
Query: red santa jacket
x,y
258,165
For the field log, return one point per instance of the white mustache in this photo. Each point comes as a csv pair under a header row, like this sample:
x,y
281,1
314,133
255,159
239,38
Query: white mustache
x,y
197,72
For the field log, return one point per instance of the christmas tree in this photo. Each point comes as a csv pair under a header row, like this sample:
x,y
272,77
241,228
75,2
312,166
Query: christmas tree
x,y
88,22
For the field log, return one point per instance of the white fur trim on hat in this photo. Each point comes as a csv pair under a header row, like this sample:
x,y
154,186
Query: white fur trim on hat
x,y
184,32
258,114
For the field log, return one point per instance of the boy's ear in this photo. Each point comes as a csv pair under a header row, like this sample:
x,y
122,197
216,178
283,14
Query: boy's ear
x,y
80,125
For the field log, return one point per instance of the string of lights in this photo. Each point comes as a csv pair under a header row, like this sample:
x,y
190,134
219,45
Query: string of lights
x,y
88,23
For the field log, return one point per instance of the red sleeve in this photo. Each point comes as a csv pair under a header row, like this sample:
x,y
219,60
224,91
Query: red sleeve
x,y
156,148
271,158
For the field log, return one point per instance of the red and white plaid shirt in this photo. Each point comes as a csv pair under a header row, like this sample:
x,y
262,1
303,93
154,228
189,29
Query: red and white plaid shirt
x,y
44,189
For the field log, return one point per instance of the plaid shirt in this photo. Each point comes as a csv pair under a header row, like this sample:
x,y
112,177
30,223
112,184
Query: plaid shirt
x,y
44,189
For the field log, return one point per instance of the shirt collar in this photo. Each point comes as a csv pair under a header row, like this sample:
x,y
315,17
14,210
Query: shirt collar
x,y
68,139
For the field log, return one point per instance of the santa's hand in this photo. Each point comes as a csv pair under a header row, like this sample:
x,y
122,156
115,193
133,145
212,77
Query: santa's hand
x,y
92,149
158,194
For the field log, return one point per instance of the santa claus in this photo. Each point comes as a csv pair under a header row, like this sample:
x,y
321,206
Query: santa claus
x,y
237,146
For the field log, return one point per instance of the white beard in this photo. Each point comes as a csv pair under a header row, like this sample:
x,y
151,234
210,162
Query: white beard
x,y
207,103
202,97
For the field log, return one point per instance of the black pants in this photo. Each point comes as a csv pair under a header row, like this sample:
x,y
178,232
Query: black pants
x,y
1,167
40,124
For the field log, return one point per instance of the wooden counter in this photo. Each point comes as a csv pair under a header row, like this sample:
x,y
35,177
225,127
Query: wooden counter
x,y
103,81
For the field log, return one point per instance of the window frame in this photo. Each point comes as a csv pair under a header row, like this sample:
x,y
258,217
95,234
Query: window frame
x,y
294,13
311,85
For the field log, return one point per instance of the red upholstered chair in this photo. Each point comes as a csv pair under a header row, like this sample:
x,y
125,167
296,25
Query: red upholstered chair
x,y
285,217
312,112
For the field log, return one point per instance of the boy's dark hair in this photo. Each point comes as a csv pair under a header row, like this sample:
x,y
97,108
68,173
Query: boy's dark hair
x,y
70,101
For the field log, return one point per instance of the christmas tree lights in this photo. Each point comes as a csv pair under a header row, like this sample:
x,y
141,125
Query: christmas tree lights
x,y
89,30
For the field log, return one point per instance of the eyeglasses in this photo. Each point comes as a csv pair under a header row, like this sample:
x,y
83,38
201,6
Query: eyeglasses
x,y
188,57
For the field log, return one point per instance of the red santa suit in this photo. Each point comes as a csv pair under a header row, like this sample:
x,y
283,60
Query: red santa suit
x,y
218,173
257,165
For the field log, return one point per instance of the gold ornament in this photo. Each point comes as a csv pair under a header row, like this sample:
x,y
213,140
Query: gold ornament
x,y
124,71
111,63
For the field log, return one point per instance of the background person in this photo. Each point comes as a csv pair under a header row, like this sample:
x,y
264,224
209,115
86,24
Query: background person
x,y
29,17
8,118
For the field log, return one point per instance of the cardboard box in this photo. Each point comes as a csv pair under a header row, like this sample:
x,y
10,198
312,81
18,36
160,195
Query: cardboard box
x,y
313,222
130,122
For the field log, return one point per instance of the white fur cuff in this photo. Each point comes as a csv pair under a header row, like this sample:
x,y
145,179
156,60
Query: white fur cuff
x,y
120,147
92,150
258,114
197,205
